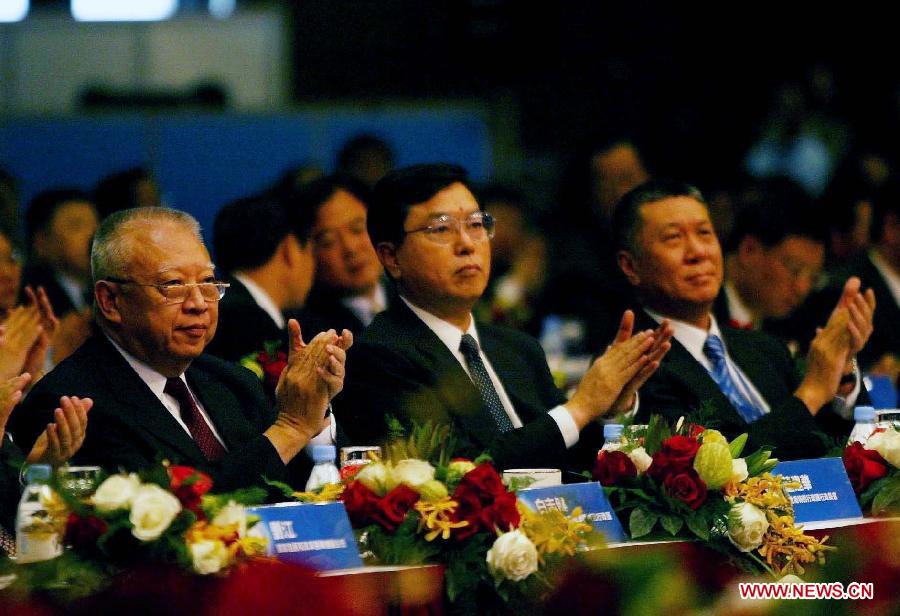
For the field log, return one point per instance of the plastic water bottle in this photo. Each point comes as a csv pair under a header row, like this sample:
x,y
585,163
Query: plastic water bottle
x,y
864,416
612,437
325,470
36,536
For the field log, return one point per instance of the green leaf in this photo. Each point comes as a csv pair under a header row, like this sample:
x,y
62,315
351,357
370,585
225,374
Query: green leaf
x,y
888,495
737,445
287,490
658,430
671,522
698,525
641,522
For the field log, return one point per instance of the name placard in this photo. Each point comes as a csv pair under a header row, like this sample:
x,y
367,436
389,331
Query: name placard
x,y
825,493
316,535
595,507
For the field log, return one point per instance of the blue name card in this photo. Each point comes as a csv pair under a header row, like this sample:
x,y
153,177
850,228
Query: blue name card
x,y
590,497
316,535
825,493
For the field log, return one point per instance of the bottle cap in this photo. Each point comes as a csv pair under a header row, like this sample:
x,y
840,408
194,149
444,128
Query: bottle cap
x,y
612,432
323,453
38,472
864,413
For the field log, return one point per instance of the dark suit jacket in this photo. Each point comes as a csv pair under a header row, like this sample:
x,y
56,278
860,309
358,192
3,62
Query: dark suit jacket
x,y
244,327
11,460
325,309
681,386
399,367
42,276
129,427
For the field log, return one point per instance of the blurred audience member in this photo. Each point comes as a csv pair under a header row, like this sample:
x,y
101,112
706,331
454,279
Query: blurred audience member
x,y
10,224
266,251
133,187
350,288
367,158
10,274
773,257
295,178
518,262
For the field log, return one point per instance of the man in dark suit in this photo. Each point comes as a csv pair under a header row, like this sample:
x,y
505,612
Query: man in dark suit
x,y
426,359
742,381
155,394
265,249
349,289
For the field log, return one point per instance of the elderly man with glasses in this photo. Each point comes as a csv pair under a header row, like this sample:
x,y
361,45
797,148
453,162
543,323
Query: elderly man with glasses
x,y
425,359
156,395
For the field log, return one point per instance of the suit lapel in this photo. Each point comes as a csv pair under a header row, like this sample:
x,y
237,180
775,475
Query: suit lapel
x,y
507,363
764,379
219,404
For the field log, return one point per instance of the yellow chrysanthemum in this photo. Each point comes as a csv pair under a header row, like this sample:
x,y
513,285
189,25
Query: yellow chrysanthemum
x,y
435,517
553,532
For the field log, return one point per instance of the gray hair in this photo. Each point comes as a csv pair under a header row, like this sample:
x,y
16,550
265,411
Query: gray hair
x,y
111,248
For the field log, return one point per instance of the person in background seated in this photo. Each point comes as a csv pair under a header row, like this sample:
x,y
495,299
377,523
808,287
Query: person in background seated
x,y
731,379
156,394
135,187
349,289
426,359
773,259
367,158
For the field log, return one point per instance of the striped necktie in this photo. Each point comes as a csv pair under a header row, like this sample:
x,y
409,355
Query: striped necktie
x,y
715,351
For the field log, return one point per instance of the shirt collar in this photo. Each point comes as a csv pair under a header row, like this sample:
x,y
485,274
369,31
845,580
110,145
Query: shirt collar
x,y
690,336
890,275
364,306
262,299
737,309
154,380
449,334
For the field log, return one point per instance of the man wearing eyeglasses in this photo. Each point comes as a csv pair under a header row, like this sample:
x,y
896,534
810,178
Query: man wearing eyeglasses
x,y
156,395
425,359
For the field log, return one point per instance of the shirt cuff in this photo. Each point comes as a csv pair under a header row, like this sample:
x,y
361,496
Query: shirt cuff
x,y
566,424
843,405
328,436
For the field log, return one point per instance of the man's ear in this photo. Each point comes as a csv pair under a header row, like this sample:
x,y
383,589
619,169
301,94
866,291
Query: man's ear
x,y
286,249
107,298
387,254
628,267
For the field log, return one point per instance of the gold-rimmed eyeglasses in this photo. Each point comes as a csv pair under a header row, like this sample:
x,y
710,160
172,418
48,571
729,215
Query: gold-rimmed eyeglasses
x,y
177,292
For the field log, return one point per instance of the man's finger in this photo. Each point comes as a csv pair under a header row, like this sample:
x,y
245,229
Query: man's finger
x,y
626,326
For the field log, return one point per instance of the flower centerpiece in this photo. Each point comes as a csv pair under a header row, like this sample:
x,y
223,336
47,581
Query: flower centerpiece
x,y
874,471
267,365
420,506
693,483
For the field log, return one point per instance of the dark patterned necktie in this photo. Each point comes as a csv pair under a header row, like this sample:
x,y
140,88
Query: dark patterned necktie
x,y
469,348
7,542
196,424
715,351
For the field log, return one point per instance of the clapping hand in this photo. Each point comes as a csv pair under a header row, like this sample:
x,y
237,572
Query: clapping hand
x,y
861,311
18,334
34,361
62,438
11,392
662,337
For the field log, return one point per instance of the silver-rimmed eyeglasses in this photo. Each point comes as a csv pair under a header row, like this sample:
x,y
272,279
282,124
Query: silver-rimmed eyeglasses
x,y
479,226
177,292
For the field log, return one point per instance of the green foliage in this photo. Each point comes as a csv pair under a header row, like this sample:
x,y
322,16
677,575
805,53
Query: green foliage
x,y
641,522
403,546
672,523
434,443
249,497
658,430
737,445
887,496
282,487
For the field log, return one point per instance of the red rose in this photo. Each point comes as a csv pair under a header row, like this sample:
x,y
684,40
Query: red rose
x,y
677,454
484,502
393,507
863,466
504,512
686,486
483,478
83,532
695,430
613,466
273,367
189,485
360,503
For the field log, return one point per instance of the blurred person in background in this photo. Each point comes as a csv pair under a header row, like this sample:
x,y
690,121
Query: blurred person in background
x,y
10,222
773,258
350,288
367,158
135,187
518,262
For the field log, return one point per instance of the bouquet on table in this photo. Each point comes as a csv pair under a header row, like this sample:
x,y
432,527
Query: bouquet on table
x,y
692,483
267,365
874,471
420,506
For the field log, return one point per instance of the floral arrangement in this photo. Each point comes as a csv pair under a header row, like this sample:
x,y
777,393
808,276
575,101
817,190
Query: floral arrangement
x,y
874,471
693,483
457,512
267,365
164,515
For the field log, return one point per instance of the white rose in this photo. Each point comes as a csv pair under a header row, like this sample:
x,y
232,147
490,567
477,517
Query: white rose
x,y
375,477
746,526
886,443
116,492
152,511
513,557
411,472
232,513
209,556
739,469
641,459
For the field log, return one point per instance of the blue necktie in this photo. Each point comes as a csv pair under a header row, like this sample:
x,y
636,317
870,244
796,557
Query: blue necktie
x,y
714,350
489,396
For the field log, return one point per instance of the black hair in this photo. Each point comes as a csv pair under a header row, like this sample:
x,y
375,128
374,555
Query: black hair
x,y
119,191
313,195
358,147
627,221
886,200
44,205
403,188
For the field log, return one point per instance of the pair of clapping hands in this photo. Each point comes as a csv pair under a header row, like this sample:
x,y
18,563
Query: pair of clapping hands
x,y
24,340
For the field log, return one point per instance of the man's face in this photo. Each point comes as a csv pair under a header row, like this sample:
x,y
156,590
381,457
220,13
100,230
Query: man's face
x,y
345,258
68,237
679,266
303,272
613,174
782,276
442,278
165,336
10,274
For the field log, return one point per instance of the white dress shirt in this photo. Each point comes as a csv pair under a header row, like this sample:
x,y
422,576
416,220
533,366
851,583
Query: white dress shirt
x,y
890,275
451,336
263,300
365,307
737,309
